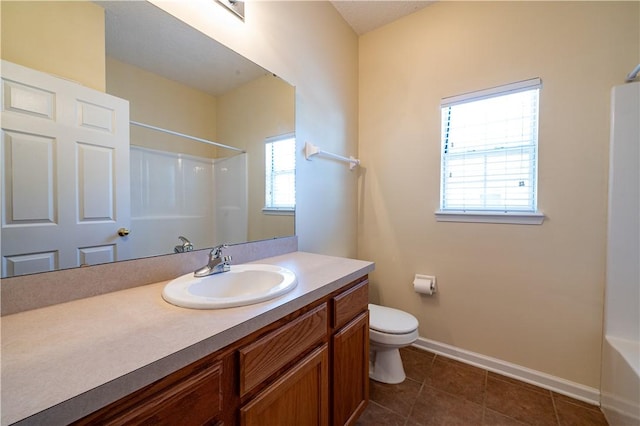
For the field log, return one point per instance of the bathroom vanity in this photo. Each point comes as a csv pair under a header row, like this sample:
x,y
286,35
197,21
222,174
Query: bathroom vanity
x,y
130,357
285,371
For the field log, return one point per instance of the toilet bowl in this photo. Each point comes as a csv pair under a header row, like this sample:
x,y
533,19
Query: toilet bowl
x,y
389,330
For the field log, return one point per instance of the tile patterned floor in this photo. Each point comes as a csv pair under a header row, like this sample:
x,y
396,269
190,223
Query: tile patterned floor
x,y
441,391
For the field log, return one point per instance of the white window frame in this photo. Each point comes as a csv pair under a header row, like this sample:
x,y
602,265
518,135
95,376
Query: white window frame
x,y
516,216
268,207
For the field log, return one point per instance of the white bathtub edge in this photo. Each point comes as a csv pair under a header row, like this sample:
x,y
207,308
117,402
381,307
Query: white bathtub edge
x,y
621,381
628,349
556,384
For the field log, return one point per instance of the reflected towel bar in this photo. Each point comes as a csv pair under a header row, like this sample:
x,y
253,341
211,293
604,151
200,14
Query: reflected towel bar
x,y
311,150
633,74
182,135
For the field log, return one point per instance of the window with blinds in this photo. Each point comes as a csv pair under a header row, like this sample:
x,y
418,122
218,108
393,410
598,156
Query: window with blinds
x,y
280,176
489,150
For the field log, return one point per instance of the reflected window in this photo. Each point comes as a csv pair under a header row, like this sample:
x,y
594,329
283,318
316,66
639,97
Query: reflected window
x,y
280,179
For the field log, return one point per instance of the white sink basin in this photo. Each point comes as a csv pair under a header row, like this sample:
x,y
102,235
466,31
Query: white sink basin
x,y
242,285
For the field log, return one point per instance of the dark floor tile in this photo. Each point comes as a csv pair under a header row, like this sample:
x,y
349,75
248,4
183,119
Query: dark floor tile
x,y
454,377
493,418
416,362
435,407
376,415
398,398
518,382
576,415
454,393
520,403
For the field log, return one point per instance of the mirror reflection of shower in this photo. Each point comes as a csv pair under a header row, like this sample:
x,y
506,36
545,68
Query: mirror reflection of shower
x,y
177,194
181,194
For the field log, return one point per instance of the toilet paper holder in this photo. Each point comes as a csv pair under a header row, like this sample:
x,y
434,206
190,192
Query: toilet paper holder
x,y
424,284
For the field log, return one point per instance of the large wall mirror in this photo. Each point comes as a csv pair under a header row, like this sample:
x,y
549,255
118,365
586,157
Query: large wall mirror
x,y
181,89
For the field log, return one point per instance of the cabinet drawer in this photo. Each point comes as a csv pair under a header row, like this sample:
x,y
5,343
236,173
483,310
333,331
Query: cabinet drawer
x,y
272,352
349,304
194,400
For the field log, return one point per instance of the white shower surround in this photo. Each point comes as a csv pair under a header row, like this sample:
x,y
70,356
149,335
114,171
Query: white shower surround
x,y
172,194
620,388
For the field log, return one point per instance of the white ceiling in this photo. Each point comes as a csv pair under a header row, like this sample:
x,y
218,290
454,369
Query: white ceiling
x,y
141,34
367,15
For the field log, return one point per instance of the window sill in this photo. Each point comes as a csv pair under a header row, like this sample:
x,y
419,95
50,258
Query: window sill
x,y
278,212
490,217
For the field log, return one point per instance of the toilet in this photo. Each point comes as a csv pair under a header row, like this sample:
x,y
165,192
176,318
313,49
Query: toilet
x,y
389,330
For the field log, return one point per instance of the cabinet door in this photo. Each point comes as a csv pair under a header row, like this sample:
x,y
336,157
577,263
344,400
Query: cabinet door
x,y
299,397
351,370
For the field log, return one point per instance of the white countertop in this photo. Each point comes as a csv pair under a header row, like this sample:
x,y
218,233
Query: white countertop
x,y
62,362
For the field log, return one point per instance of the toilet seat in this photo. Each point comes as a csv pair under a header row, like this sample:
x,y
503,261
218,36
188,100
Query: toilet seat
x,y
391,321
392,340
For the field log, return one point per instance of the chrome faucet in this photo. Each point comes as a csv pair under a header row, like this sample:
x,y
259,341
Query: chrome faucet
x,y
184,247
217,263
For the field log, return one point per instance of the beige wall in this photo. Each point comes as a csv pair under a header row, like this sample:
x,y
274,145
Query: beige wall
x,y
246,116
64,38
309,45
530,295
164,103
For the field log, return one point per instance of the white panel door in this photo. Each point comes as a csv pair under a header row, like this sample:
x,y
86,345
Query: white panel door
x,y
65,173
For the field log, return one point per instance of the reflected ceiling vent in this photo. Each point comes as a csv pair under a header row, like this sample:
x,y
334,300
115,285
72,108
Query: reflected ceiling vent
x,y
235,6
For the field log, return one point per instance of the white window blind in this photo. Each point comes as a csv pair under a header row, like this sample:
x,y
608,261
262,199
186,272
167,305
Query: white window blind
x,y
489,150
280,167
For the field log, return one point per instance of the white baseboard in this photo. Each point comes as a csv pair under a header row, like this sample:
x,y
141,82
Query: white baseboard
x,y
543,380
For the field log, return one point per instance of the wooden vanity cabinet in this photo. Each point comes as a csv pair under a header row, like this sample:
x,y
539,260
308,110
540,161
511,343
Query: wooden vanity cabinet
x,y
308,368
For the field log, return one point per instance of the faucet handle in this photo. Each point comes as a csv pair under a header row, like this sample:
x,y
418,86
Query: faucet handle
x,y
188,246
227,259
184,247
216,252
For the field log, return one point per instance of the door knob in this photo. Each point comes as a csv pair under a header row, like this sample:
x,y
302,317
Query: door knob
x,y
123,232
